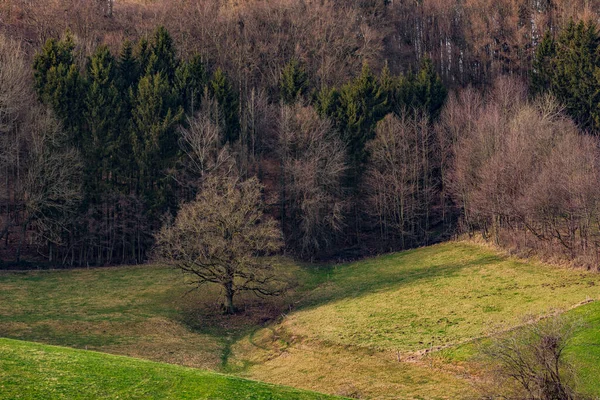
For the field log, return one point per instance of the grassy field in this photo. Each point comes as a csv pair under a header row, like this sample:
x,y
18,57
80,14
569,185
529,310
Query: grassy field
x,y
396,306
34,371
352,329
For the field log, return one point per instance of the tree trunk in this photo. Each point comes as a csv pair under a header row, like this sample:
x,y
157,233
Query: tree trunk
x,y
229,308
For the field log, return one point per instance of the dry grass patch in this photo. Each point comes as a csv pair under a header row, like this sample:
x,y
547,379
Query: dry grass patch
x,y
342,370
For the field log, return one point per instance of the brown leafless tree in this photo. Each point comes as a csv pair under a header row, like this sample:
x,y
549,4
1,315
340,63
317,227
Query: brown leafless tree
x,y
522,167
400,179
222,237
530,363
312,169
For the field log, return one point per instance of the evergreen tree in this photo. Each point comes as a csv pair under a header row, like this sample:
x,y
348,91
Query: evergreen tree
x,y
293,83
154,138
389,86
101,138
430,93
221,90
162,57
59,84
190,80
576,78
143,52
541,74
326,102
362,104
129,69
54,53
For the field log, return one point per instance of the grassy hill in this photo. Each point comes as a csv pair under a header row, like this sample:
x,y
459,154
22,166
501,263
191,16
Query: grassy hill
x,y
35,371
378,316
355,329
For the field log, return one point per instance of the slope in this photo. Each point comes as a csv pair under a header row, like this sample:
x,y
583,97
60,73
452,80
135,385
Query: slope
x,y
35,371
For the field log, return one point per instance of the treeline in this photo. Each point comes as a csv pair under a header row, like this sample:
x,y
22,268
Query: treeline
x,y
101,144
524,175
148,126
469,41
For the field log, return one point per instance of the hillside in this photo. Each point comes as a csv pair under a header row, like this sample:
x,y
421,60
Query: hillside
x,y
372,314
34,371
363,328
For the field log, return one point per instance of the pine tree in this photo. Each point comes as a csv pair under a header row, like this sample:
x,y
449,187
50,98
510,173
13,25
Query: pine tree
x,y
143,52
293,83
129,69
154,138
541,74
162,58
190,80
54,53
103,116
363,103
430,93
221,90
576,78
59,84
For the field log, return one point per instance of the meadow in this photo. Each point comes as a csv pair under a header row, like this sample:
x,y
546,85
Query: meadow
x,y
402,325
35,371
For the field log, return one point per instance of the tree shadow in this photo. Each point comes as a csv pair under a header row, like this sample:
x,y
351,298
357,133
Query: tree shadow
x,y
338,283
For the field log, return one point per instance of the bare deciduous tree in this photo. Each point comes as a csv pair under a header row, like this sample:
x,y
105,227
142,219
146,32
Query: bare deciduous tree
x,y
400,177
51,183
202,141
523,173
530,363
313,166
222,237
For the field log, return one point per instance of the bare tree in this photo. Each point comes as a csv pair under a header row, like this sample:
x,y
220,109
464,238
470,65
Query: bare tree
x,y
530,363
202,140
222,237
51,183
313,166
522,167
400,177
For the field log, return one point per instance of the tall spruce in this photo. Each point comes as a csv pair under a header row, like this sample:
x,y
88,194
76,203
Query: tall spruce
x,y
542,71
570,68
156,113
103,117
59,84
163,56
221,90
293,83
190,81
362,104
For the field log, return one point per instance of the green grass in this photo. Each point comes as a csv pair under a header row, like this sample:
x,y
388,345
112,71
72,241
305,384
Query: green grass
x,y
435,296
347,327
584,348
35,371
405,303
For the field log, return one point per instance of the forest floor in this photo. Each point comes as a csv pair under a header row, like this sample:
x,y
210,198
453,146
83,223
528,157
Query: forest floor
x,y
403,325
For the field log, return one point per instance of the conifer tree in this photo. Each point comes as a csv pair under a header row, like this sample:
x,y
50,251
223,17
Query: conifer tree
x,y
221,90
143,52
101,138
156,112
576,78
430,91
129,69
162,57
362,104
293,83
59,84
541,74
190,80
